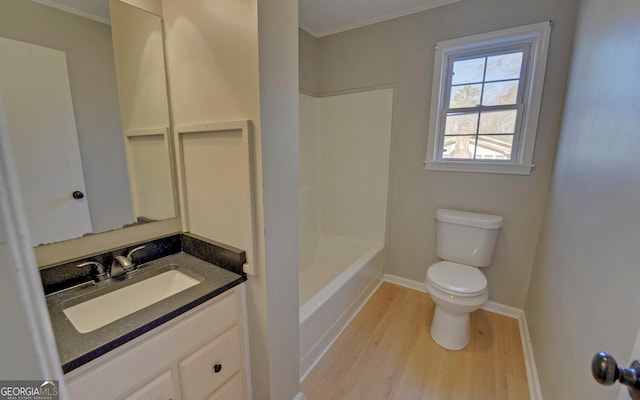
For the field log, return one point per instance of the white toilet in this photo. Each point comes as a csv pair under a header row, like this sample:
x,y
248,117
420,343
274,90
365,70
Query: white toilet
x,y
465,241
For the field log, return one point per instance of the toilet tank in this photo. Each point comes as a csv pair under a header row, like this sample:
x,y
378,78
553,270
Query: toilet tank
x,y
466,237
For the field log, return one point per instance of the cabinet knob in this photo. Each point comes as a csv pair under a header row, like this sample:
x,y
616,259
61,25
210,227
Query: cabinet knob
x,y
77,195
217,368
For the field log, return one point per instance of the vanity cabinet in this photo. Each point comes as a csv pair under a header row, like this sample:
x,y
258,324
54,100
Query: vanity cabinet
x,y
160,388
198,355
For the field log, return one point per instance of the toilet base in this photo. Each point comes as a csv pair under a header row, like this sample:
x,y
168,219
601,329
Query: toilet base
x,y
450,331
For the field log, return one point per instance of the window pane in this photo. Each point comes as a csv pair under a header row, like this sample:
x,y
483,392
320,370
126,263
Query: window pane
x,y
494,147
500,93
461,124
504,66
459,147
498,121
468,71
465,96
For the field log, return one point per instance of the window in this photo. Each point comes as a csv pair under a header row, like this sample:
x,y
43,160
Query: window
x,y
486,101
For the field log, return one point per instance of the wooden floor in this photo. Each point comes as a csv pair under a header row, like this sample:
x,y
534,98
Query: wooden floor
x,y
388,353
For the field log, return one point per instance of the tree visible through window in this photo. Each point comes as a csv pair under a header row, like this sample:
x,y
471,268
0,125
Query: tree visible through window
x,y
486,99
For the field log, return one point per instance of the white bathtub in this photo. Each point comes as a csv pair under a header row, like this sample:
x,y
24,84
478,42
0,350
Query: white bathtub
x,y
337,277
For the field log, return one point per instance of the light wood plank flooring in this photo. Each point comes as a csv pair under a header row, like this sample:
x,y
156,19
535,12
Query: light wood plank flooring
x,y
387,353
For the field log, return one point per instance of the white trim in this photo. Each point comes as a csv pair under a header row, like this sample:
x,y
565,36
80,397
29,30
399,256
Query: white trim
x,y
131,170
479,167
501,309
245,339
73,10
375,20
245,163
535,393
300,396
308,30
342,329
408,283
537,35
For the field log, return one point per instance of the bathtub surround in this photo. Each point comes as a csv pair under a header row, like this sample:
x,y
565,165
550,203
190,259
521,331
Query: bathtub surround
x,y
400,53
343,186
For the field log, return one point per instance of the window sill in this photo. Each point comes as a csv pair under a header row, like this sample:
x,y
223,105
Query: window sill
x,y
479,167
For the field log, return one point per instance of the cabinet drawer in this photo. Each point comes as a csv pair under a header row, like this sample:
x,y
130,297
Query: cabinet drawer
x,y
234,389
198,371
156,351
161,388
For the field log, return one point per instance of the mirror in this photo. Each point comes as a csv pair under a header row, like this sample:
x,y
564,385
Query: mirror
x,y
86,108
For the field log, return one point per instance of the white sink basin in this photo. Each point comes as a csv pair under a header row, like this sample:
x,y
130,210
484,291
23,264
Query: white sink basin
x,y
98,312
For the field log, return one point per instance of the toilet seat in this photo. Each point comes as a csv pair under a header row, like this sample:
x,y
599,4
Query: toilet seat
x,y
457,279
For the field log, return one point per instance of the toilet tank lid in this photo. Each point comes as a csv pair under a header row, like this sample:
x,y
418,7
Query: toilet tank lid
x,y
469,218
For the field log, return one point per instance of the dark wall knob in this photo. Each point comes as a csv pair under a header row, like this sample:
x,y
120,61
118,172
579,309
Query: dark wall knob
x,y
217,368
77,194
605,370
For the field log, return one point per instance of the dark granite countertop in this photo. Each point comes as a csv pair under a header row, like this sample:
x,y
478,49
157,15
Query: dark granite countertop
x,y
76,349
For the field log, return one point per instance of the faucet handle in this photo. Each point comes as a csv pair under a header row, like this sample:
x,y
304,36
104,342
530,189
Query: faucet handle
x,y
101,271
130,254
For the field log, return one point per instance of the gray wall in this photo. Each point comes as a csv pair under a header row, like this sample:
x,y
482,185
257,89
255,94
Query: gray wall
x,y
585,279
92,77
309,62
400,52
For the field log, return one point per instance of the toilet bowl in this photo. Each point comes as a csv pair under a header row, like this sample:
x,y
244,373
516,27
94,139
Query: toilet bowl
x,y
465,243
457,290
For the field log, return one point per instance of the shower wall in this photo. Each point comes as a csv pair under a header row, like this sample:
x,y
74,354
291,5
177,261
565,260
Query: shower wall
x,y
344,166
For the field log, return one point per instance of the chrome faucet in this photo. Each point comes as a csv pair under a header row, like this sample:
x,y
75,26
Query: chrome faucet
x,y
121,265
101,272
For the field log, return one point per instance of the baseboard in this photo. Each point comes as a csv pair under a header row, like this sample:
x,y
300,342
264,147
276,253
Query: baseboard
x,y
300,396
501,309
408,283
535,393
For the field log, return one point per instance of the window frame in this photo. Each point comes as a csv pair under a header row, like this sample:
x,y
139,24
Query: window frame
x,y
535,37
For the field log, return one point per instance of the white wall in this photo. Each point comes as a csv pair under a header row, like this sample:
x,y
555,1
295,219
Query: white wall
x,y
221,67
400,53
278,45
354,138
585,278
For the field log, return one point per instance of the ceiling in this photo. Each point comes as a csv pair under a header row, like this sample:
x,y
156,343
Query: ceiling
x,y
97,10
325,17
318,17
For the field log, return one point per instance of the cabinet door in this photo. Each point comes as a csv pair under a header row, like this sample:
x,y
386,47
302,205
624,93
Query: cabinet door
x,y
234,389
160,388
203,372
